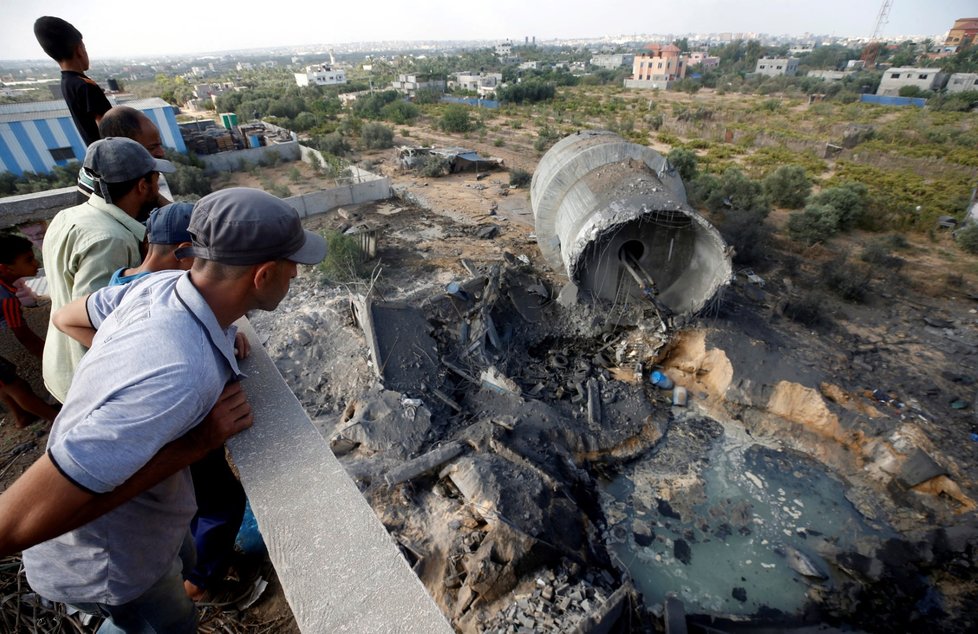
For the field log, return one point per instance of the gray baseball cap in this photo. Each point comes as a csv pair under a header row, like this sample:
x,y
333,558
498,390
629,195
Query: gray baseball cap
x,y
245,226
118,159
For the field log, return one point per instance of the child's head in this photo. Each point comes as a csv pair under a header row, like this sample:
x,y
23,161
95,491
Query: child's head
x,y
16,257
60,40
166,231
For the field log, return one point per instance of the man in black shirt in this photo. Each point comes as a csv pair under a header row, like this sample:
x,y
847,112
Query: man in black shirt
x,y
86,101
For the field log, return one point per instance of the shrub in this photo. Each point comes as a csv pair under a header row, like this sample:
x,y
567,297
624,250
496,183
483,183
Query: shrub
x,y
967,237
685,163
736,191
343,258
456,119
187,180
848,281
879,253
376,136
807,309
788,186
748,234
332,143
849,200
400,112
304,121
519,177
434,166
816,223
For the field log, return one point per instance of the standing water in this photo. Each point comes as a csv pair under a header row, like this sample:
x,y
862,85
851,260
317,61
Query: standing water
x,y
738,538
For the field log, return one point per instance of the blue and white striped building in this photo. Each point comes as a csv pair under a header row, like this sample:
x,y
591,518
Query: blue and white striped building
x,y
35,137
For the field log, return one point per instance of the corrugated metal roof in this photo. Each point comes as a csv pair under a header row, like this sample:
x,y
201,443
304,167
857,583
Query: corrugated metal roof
x,y
59,108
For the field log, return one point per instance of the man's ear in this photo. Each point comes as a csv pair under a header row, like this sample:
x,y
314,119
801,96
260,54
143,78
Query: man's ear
x,y
263,274
186,262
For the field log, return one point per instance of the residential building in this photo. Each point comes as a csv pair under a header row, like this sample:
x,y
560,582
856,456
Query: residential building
x,y
244,66
777,66
962,82
855,64
410,84
612,61
964,32
321,75
37,136
828,75
704,60
658,68
530,65
505,49
924,78
484,84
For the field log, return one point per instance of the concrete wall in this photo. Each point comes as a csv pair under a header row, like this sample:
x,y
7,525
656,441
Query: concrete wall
x,y
16,210
362,187
647,83
339,567
235,161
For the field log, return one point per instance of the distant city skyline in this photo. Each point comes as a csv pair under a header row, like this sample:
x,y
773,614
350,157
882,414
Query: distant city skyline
x,y
115,29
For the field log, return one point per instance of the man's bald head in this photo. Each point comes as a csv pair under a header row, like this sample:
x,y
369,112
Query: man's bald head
x,y
123,121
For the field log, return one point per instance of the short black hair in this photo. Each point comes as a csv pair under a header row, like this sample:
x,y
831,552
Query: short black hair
x,y
12,246
57,37
118,190
121,121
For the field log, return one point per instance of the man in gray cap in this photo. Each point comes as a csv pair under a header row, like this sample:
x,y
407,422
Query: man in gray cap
x,y
85,244
157,391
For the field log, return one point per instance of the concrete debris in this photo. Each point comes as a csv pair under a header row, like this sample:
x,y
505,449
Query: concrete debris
x,y
379,423
423,464
559,603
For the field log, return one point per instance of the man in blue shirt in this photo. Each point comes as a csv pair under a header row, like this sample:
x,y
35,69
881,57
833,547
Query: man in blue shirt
x,y
157,391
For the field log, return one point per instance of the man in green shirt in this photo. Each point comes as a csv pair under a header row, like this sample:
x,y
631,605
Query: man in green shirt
x,y
85,244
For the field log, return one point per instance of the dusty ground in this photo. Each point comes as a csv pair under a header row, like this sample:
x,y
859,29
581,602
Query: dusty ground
x,y
914,338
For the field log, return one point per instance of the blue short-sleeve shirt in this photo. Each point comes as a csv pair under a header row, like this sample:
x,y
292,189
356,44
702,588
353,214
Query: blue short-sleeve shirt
x,y
157,365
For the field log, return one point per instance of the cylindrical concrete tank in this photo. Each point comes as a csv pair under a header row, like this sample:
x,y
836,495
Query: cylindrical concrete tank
x,y
600,203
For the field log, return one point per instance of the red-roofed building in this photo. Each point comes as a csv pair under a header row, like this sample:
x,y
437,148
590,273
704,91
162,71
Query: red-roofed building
x,y
662,65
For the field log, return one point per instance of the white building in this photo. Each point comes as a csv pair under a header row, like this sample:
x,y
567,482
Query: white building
x,y
828,75
962,82
896,78
776,66
612,61
504,50
321,75
411,84
482,83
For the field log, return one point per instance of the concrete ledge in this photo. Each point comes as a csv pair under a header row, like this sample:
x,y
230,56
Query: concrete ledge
x,y
340,569
15,210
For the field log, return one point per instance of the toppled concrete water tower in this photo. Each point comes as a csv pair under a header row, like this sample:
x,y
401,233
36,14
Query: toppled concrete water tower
x,y
613,215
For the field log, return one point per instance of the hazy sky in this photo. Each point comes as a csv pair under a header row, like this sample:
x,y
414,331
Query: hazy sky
x,y
124,28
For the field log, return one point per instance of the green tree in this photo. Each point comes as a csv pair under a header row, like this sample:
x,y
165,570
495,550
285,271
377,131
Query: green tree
x,y
456,119
400,112
788,186
376,136
685,162
849,202
816,223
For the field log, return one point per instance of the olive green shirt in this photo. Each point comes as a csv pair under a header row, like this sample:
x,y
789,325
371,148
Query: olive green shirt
x,y
83,246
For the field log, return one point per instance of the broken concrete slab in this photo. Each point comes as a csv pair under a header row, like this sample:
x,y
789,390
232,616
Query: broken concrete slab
x,y
919,467
404,354
425,463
